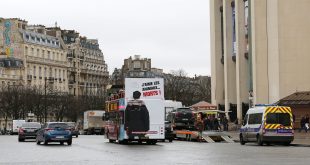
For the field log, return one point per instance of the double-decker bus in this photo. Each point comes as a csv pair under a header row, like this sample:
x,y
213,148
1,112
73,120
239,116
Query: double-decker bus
x,y
141,119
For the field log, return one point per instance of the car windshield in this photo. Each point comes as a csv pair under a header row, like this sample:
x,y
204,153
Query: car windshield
x,y
279,118
58,125
31,125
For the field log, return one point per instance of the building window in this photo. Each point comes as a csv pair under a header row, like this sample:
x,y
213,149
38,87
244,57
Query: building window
x,y
43,54
136,65
51,72
34,70
38,52
40,72
32,52
48,55
45,72
26,50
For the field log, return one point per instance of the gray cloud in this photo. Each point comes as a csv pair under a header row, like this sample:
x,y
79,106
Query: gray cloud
x,y
174,33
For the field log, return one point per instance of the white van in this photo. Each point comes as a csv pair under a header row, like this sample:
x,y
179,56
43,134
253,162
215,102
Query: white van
x,y
16,125
267,124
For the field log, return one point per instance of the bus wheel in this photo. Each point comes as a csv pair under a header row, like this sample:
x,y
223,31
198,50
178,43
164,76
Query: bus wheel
x,y
123,141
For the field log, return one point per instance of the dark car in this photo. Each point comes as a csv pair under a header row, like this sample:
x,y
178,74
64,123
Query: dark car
x,y
73,128
28,130
54,132
182,118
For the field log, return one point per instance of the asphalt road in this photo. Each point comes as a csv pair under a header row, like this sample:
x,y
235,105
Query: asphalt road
x,y
97,150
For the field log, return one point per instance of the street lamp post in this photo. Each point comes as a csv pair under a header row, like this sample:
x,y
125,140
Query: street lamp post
x,y
45,108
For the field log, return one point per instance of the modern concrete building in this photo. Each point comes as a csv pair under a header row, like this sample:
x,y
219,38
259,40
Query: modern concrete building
x,y
259,51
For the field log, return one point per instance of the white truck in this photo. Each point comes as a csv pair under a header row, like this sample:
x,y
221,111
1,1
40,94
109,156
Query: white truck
x,y
16,125
93,123
171,105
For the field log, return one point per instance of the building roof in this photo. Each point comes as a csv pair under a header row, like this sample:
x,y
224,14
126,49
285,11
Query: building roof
x,y
203,105
297,98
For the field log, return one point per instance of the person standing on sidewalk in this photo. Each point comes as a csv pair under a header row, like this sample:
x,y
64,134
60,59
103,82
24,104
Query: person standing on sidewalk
x,y
302,124
225,123
199,126
307,122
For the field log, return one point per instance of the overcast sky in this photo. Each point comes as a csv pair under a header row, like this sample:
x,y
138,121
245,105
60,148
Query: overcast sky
x,y
175,34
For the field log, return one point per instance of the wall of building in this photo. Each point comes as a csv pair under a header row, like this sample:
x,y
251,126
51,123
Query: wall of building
x,y
217,71
259,52
294,39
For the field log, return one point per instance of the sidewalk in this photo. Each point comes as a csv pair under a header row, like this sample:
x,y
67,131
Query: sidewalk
x,y
299,137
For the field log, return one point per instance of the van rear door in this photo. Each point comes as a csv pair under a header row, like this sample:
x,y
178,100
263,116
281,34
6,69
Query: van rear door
x,y
279,121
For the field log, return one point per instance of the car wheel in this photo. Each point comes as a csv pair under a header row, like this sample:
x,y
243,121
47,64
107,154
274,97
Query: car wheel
x,y
242,142
61,143
20,140
69,142
170,140
77,136
259,140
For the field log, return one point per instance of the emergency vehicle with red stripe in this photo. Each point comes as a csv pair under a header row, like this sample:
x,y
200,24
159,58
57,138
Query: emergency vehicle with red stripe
x,y
267,124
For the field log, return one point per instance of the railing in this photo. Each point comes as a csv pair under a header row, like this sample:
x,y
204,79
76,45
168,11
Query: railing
x,y
29,77
16,77
49,61
71,82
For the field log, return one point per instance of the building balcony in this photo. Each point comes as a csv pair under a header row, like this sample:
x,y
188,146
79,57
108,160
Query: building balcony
x,y
70,55
46,61
81,57
72,69
51,79
11,77
29,77
71,82
81,83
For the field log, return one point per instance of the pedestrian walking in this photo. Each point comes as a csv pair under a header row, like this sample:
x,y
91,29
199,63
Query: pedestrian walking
x,y
225,123
302,124
199,126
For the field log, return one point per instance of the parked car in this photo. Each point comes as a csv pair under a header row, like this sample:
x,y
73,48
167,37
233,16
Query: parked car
x,y
54,132
28,130
74,129
182,118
